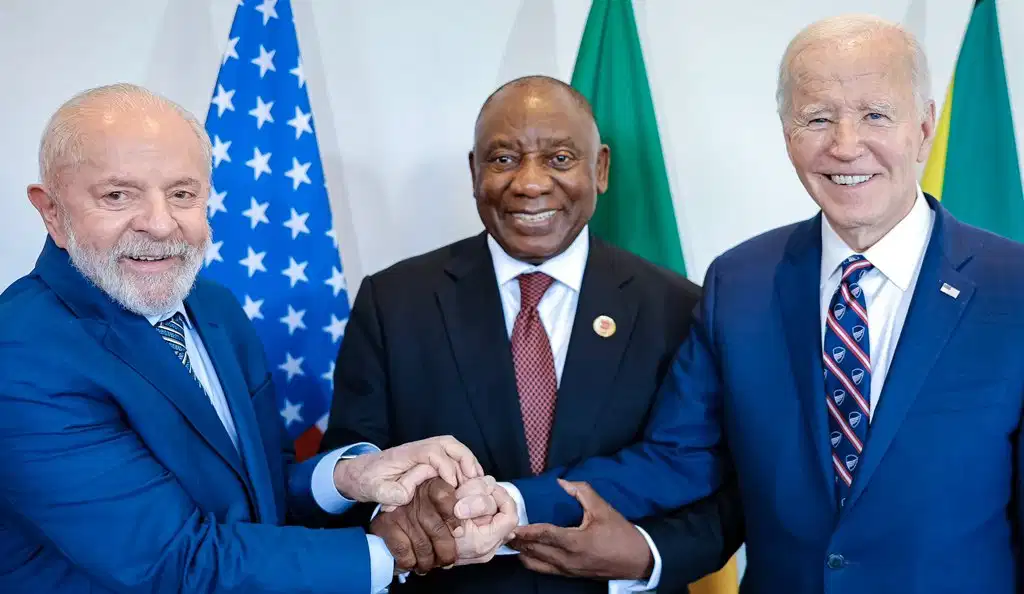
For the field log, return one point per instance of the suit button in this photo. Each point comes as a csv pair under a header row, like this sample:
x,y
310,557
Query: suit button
x,y
836,561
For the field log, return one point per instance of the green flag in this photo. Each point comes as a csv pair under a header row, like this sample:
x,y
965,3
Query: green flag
x,y
973,166
636,212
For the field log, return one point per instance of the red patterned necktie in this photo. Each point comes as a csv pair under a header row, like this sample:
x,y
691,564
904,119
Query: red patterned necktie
x,y
535,368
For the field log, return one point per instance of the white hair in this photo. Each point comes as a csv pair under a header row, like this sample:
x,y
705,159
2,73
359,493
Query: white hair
x,y
61,144
853,28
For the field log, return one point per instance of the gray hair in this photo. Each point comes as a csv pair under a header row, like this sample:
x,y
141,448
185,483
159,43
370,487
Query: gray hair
x,y
61,144
853,27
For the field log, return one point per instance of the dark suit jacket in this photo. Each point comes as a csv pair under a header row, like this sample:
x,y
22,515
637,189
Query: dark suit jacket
x,y
426,353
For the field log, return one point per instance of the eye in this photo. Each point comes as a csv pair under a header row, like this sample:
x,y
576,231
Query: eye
x,y
116,196
818,121
562,160
183,195
876,117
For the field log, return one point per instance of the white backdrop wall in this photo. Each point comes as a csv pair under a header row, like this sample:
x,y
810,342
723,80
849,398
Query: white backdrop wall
x,y
395,85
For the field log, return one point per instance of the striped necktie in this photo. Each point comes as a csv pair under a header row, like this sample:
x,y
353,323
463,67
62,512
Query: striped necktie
x,y
172,330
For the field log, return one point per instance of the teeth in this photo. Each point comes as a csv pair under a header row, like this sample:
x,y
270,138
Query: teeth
x,y
147,258
534,218
849,180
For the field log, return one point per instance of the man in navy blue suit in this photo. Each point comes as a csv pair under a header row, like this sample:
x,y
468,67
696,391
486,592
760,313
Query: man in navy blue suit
x,y
140,445
862,371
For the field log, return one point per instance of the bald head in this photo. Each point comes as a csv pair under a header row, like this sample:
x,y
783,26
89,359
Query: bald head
x,y
535,85
63,145
848,35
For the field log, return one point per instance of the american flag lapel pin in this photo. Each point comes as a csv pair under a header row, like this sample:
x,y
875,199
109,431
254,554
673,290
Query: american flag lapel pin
x,y
950,290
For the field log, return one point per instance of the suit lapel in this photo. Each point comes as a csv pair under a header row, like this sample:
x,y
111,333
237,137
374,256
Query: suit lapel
x,y
931,320
592,361
472,314
236,392
797,283
135,342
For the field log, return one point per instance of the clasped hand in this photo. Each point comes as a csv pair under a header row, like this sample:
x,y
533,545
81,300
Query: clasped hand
x,y
444,526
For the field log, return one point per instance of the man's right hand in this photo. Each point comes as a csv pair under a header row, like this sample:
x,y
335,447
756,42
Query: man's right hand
x,y
391,477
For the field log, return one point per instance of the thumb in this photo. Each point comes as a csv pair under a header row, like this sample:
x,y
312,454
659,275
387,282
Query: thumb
x,y
585,494
391,493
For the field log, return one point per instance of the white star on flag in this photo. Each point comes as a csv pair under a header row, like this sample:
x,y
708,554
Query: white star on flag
x,y
329,374
254,262
223,100
252,308
290,413
230,51
299,73
336,328
215,203
220,151
262,113
333,236
297,223
292,366
213,252
257,212
267,10
265,61
301,122
295,272
294,320
337,281
260,163
298,173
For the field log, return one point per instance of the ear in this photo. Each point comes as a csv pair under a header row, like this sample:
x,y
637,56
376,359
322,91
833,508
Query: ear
x,y
472,171
48,208
927,131
604,161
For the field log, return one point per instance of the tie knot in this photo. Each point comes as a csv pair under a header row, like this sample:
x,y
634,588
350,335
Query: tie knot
x,y
176,322
855,267
532,287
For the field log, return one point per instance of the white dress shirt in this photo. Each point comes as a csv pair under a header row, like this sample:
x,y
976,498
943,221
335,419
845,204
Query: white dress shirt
x,y
557,310
382,564
888,287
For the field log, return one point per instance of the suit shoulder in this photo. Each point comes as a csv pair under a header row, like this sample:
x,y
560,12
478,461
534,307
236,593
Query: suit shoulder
x,y
26,308
767,247
653,275
414,271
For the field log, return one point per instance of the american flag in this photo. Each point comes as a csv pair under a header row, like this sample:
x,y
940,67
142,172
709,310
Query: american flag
x,y
274,243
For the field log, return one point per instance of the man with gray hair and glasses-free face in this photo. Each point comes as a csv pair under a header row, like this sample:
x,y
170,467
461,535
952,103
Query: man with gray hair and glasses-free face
x,y
140,445
863,370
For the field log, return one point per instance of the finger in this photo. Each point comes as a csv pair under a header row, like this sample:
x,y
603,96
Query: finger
x,y
586,495
442,542
463,455
422,546
541,552
414,477
398,543
535,564
476,506
477,486
444,466
442,497
387,508
543,534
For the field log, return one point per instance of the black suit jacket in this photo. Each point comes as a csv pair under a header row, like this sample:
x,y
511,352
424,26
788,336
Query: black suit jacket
x,y
426,353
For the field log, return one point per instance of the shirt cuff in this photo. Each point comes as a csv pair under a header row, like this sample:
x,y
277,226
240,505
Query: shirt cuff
x,y
325,493
382,564
516,496
624,586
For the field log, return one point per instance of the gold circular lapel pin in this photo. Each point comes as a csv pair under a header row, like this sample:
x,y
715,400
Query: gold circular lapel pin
x,y
604,326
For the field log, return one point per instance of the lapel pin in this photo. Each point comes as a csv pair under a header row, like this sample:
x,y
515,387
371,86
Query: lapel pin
x,y
950,290
604,326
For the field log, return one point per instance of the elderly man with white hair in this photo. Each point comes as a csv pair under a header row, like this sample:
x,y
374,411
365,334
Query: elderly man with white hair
x,y
140,445
862,372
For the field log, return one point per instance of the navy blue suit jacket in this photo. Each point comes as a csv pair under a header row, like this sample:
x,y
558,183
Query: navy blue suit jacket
x,y
116,474
936,504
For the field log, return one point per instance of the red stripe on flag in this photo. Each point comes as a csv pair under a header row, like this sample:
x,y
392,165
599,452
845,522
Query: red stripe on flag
x,y
308,444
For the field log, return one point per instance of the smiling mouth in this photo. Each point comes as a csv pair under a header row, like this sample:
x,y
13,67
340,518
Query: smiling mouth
x,y
534,217
850,180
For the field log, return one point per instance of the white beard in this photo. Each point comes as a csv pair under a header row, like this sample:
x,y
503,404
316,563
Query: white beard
x,y
146,295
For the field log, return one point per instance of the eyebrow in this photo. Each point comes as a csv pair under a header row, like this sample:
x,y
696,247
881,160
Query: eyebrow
x,y
880,106
130,183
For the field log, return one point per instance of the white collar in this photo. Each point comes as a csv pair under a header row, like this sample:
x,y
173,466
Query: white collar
x,y
179,308
896,255
566,268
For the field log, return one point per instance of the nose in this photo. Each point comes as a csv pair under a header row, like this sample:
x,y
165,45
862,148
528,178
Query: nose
x,y
846,145
532,180
155,217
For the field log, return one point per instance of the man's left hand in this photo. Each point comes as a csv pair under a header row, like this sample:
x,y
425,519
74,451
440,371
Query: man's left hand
x,y
604,546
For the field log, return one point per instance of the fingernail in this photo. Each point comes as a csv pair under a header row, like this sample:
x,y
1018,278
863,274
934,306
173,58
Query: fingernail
x,y
458,532
462,510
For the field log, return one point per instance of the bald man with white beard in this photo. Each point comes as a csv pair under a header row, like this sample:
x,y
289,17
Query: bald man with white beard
x,y
140,445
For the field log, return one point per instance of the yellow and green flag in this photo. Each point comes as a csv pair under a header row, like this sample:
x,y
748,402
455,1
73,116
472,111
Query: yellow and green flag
x,y
973,168
636,212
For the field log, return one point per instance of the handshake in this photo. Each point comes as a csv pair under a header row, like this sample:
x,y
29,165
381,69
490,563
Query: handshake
x,y
438,507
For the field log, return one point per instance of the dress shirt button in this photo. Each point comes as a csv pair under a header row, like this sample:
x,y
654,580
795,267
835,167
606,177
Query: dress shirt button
x,y
836,561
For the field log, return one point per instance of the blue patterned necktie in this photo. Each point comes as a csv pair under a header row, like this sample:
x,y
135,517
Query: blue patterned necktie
x,y
172,330
847,364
